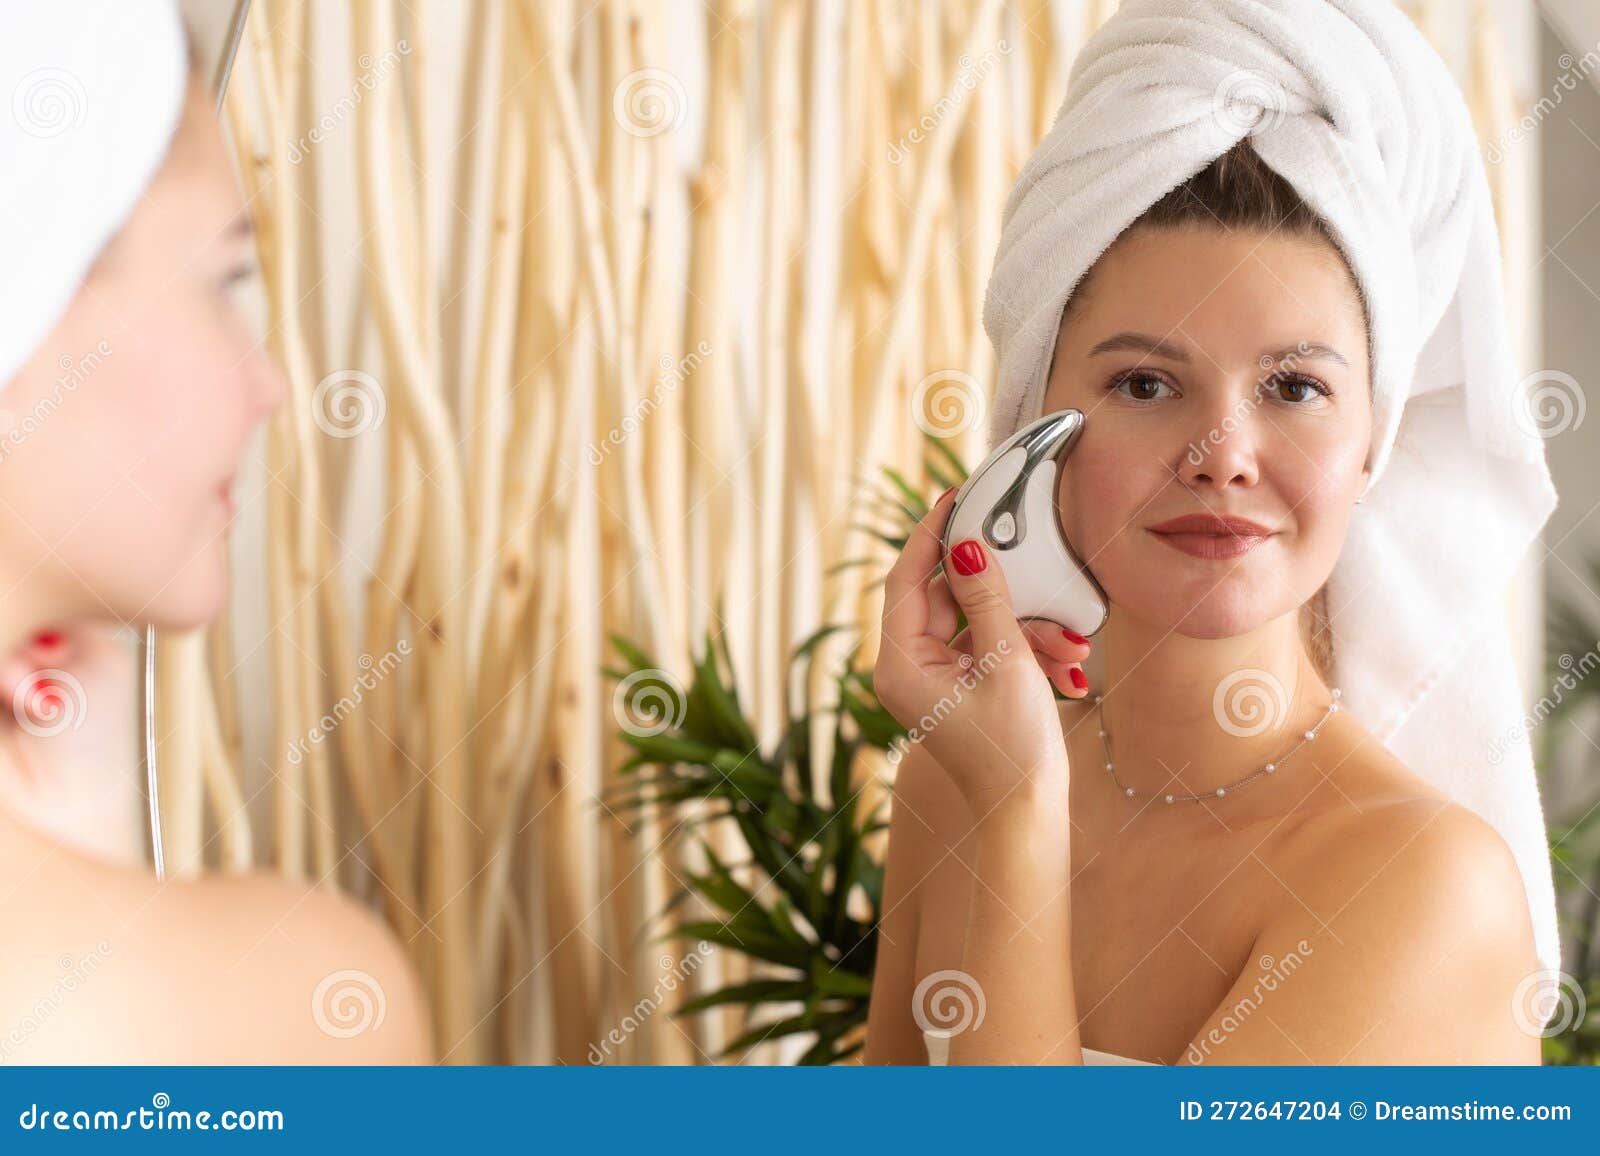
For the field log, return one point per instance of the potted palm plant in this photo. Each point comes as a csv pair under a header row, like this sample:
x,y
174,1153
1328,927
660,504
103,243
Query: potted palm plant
x,y
811,920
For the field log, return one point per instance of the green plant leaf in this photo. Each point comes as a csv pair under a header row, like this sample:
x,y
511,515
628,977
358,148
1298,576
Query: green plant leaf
x,y
781,918
908,492
761,1033
944,459
633,654
719,886
721,711
808,849
755,992
829,1023
838,982
868,875
762,945
670,748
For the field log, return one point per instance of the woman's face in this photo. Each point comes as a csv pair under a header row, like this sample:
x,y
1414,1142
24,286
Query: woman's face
x,y
128,423
1220,374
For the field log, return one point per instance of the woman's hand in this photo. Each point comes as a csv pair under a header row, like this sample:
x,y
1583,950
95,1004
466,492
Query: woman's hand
x,y
981,703
70,760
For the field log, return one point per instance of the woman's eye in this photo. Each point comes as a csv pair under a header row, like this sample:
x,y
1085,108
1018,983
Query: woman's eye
x,y
1297,390
238,273
1141,386
234,282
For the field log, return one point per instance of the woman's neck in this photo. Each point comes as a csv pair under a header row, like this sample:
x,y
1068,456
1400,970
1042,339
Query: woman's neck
x,y
32,602
29,606
1188,715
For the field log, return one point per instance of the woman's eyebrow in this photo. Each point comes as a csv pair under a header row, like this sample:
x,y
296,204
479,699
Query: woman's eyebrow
x,y
1141,343
1159,347
1304,350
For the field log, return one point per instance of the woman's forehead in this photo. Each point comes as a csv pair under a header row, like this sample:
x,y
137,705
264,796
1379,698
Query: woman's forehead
x,y
1199,279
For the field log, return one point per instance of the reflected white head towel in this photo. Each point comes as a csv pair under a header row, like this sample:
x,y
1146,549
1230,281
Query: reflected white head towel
x,y
93,90
1348,102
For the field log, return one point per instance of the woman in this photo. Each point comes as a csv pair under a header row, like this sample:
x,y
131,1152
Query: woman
x,y
1144,873
133,383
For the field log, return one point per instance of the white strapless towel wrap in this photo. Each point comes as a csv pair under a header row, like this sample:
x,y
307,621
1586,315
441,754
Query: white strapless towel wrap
x,y
93,92
1351,105
937,1044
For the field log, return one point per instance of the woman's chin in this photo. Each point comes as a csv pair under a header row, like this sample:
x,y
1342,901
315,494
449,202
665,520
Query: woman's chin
x,y
1212,616
195,598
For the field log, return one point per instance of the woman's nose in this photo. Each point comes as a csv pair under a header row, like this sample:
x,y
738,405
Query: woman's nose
x,y
1224,443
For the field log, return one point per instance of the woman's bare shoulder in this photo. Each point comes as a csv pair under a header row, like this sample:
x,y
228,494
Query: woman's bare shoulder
x,y
1385,848
108,965
1364,798
326,960
1414,923
1426,832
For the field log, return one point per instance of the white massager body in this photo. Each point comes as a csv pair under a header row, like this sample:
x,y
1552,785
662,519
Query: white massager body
x,y
1009,504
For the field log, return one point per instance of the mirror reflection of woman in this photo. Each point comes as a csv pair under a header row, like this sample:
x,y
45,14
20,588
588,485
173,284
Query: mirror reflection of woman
x,y
1207,857
127,240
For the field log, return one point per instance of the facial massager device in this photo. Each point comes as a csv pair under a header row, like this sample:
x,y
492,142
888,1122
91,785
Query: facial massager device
x,y
1009,504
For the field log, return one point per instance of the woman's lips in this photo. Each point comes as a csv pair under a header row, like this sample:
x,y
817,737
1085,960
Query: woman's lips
x,y
1213,545
1211,535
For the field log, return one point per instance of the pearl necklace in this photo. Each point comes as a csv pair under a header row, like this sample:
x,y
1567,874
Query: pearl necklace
x,y
1220,792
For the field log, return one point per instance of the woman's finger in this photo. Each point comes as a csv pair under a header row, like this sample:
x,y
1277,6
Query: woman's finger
x,y
1068,677
1060,674
1050,642
906,611
944,614
979,585
1055,641
1039,634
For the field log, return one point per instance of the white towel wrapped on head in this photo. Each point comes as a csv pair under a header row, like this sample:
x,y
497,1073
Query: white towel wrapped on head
x,y
94,91
1347,101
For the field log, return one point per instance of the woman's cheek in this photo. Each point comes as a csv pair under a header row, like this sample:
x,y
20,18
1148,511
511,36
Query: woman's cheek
x,y
1102,489
1321,473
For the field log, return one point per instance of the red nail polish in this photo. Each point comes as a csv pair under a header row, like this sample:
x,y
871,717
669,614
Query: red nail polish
x,y
967,557
945,495
47,639
1074,636
1079,680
